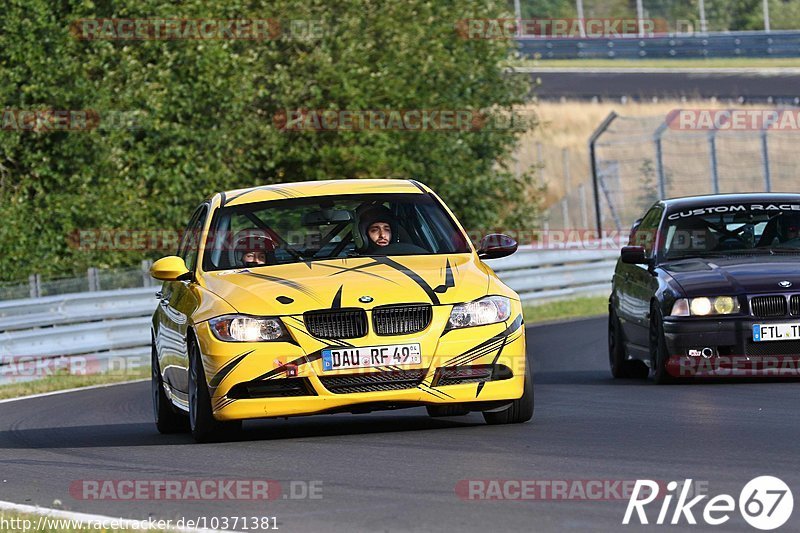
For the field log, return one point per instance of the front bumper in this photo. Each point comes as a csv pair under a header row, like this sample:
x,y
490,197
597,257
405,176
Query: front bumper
x,y
724,347
485,369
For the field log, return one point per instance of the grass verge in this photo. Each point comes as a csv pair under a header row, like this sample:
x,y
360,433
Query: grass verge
x,y
721,62
69,381
585,306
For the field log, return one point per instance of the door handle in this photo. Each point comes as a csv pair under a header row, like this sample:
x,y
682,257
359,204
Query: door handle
x,y
159,295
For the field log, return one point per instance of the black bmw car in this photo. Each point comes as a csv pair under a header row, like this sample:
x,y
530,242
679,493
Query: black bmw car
x,y
709,286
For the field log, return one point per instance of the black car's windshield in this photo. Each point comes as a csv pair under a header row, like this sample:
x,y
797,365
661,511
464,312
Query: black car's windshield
x,y
733,229
317,228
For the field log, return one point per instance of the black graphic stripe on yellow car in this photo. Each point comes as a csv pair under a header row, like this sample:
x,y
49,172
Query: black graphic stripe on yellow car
x,y
359,269
286,282
493,341
305,359
225,370
494,362
282,191
416,278
449,282
433,392
223,402
337,300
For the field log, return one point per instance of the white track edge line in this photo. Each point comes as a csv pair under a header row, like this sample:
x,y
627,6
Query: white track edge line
x,y
74,389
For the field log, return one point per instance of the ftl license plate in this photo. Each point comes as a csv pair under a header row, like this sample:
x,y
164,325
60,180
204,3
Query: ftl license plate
x,y
776,332
370,356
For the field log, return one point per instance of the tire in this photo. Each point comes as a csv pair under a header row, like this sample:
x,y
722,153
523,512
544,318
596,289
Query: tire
x,y
204,427
621,367
446,410
167,419
658,349
519,411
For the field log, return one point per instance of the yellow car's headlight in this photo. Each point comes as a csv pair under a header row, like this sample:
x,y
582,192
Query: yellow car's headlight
x,y
243,328
705,306
488,310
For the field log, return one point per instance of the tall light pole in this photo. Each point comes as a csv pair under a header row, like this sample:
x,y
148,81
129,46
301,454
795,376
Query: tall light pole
x,y
766,15
640,17
579,9
703,26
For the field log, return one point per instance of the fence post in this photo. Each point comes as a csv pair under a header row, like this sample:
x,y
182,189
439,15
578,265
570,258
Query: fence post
x,y
712,146
593,163
35,282
565,212
565,163
540,161
765,161
94,284
662,181
584,209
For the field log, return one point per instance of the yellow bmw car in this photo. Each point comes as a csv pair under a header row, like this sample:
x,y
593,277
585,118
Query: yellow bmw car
x,y
333,296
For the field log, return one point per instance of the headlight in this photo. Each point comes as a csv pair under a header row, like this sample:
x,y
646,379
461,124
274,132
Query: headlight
x,y
241,328
705,306
489,310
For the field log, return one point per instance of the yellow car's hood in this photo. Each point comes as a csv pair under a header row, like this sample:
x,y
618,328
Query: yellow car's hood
x,y
300,287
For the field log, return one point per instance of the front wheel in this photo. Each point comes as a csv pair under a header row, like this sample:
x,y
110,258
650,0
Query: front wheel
x,y
205,428
519,411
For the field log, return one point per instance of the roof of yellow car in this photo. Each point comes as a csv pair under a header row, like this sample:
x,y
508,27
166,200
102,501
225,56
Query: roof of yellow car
x,y
304,189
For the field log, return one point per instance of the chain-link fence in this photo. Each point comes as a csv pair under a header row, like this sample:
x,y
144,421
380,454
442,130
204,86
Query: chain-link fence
x,y
94,280
640,160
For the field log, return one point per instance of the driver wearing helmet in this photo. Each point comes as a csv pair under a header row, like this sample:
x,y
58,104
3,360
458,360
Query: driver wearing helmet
x,y
254,247
789,230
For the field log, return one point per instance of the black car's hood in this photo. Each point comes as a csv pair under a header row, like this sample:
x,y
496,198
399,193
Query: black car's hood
x,y
725,275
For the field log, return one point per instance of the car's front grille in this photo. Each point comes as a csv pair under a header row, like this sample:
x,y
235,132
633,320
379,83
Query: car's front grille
x,y
401,319
374,381
338,324
761,349
794,304
272,388
459,375
768,306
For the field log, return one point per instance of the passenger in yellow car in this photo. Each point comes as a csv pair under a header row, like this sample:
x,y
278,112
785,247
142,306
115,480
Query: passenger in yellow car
x,y
254,247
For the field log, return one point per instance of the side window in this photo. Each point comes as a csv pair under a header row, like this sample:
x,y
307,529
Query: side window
x,y
190,242
645,234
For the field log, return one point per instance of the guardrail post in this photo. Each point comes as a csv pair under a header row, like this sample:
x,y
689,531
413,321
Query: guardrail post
x,y
712,146
94,282
147,281
765,161
35,282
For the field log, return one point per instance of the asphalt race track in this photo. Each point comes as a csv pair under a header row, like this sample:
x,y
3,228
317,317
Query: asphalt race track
x,y
398,470
756,86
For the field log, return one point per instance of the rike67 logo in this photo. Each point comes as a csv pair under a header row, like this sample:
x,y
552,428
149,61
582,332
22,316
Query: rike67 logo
x,y
765,503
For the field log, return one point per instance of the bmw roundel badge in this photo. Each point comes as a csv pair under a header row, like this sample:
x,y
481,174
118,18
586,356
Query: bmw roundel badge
x,y
365,299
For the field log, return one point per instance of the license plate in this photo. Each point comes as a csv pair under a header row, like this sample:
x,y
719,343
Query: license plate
x,y
370,356
776,332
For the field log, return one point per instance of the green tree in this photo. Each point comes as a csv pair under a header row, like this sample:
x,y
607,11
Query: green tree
x,y
203,115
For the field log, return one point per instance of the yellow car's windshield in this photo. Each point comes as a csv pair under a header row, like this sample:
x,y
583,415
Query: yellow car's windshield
x,y
318,228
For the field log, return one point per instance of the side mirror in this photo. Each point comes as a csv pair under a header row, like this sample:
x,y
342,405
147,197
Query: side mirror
x,y
496,245
633,255
170,268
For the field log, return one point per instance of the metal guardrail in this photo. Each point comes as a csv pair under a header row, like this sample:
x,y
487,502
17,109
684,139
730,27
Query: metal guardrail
x,y
698,46
102,327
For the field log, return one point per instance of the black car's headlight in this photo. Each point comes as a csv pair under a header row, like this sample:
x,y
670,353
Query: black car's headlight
x,y
488,310
243,328
705,306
